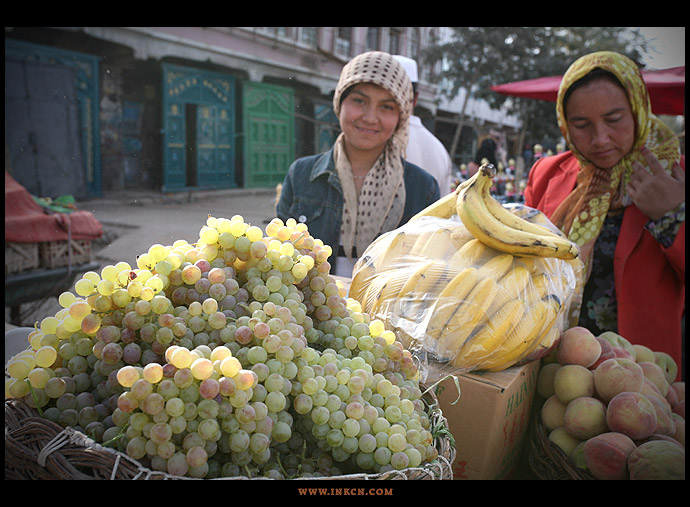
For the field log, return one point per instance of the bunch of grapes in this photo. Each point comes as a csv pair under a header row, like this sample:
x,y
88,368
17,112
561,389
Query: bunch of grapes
x,y
236,355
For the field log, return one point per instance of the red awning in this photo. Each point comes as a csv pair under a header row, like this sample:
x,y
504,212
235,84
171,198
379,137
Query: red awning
x,y
666,89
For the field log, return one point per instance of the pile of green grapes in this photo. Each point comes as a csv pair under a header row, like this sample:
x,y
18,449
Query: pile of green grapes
x,y
237,355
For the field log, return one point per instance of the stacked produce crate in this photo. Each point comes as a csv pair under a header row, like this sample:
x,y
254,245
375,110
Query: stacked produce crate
x,y
44,246
21,257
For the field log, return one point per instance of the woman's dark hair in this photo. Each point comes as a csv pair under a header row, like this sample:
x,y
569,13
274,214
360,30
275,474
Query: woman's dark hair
x,y
486,150
345,93
594,75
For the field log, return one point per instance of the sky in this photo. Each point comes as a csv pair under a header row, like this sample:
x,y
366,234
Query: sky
x,y
669,46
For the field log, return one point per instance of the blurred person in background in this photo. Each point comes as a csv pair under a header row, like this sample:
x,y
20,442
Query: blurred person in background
x,y
423,148
486,153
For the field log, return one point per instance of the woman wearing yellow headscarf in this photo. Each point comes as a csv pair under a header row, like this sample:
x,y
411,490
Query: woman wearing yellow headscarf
x,y
619,193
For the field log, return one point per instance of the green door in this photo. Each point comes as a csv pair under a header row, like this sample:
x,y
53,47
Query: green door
x,y
199,129
268,113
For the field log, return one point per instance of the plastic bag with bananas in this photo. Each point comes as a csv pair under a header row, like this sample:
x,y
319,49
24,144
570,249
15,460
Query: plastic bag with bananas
x,y
470,284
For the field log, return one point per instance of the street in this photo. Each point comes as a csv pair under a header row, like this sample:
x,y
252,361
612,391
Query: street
x,y
133,220
142,219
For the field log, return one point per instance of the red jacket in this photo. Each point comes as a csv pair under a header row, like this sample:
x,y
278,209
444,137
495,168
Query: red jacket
x,y
649,278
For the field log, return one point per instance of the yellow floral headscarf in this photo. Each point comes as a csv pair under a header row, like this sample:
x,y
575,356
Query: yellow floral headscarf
x,y
582,214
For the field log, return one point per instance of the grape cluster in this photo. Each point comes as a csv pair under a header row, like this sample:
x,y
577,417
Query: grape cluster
x,y
236,355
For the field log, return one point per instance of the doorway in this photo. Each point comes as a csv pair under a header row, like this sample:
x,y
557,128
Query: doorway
x,y
198,129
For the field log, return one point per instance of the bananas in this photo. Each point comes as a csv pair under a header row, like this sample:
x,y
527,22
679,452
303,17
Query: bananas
x,y
513,284
391,288
436,244
476,285
498,228
491,335
537,322
387,252
449,299
445,207
467,315
410,247
363,273
413,294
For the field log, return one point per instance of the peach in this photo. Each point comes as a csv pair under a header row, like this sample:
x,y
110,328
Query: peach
x,y
679,435
632,414
578,346
679,408
648,387
623,353
545,380
606,352
606,455
618,342
552,413
659,436
643,353
671,396
653,372
657,460
572,381
667,364
546,353
665,424
577,456
551,355
679,388
585,417
564,440
617,375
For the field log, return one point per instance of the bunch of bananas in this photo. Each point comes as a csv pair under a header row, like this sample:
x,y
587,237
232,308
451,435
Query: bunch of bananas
x,y
483,292
494,225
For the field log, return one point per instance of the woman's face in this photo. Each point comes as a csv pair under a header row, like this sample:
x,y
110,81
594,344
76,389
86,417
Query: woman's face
x,y
600,122
368,117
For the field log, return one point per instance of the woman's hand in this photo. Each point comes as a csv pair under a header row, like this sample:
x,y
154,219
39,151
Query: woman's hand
x,y
658,192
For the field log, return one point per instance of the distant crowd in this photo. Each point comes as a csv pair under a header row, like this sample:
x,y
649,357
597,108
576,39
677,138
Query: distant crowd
x,y
509,186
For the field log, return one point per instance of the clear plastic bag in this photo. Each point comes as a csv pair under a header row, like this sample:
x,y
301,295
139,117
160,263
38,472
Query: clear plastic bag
x,y
459,305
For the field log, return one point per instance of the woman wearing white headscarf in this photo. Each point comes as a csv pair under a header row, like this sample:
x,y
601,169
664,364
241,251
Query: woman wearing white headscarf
x,y
362,187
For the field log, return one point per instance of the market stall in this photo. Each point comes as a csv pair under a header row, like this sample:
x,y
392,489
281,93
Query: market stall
x,y
449,354
44,248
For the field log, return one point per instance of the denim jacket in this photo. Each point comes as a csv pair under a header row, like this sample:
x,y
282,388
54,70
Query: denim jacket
x,y
312,194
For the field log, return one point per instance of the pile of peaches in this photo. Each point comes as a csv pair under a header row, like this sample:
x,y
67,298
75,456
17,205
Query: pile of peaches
x,y
616,409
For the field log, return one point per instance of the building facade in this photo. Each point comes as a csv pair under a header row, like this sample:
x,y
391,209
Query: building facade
x,y
95,109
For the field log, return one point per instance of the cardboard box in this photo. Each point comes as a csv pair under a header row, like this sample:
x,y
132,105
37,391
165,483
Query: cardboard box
x,y
490,419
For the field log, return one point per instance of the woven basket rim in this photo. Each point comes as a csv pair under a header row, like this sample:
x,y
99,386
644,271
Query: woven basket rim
x,y
51,447
546,459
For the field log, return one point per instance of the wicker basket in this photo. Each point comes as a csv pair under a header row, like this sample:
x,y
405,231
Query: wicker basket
x,y
546,459
55,254
21,257
36,448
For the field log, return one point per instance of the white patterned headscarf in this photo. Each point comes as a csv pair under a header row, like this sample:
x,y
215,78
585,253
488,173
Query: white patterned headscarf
x,y
381,202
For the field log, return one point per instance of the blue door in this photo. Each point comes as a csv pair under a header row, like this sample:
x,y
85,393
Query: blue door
x,y
198,129
52,132
327,126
